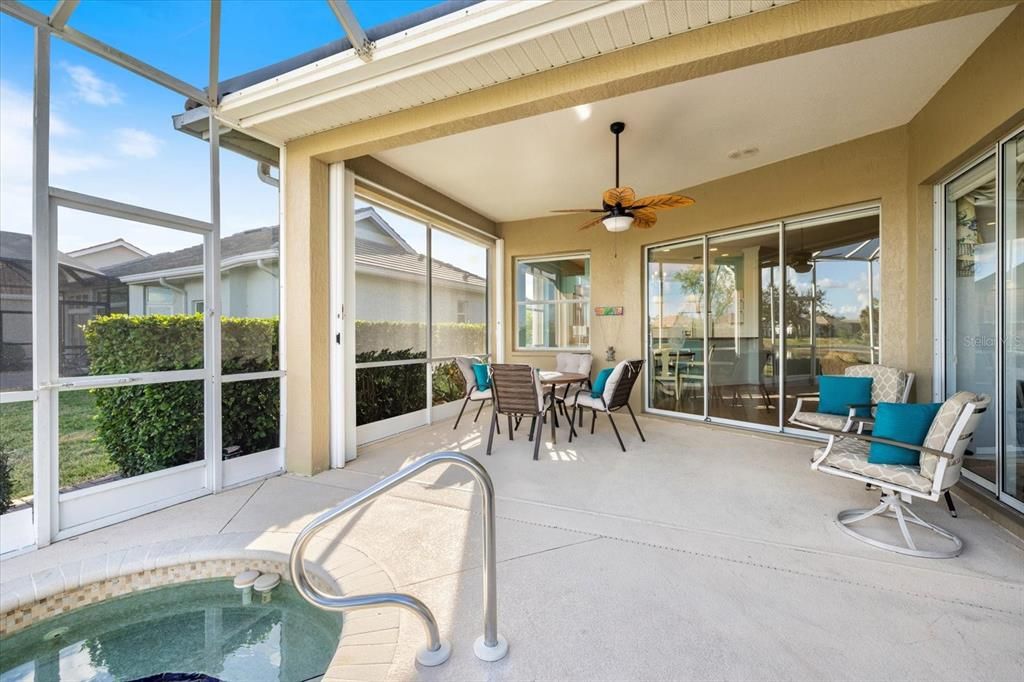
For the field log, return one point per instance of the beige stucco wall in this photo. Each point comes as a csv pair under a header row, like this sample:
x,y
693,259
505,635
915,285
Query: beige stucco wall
x,y
871,169
875,168
896,168
978,105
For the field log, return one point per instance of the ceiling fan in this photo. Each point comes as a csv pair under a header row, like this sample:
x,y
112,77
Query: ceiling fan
x,y
620,206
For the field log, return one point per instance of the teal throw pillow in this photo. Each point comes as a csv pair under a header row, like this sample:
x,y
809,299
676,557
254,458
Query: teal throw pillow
x,y
837,393
905,422
599,383
483,376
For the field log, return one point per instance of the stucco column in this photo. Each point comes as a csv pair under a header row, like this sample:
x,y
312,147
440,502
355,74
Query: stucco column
x,y
306,315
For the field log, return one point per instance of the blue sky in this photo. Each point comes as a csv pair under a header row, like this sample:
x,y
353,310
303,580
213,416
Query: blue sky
x,y
111,131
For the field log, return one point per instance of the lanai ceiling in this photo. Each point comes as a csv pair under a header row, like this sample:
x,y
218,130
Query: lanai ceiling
x,y
682,135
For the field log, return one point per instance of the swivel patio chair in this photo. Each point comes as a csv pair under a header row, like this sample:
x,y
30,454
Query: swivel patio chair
x,y
573,363
465,364
614,397
888,385
518,394
941,460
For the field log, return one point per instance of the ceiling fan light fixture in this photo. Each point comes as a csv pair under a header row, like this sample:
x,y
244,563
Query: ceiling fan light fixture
x,y
618,223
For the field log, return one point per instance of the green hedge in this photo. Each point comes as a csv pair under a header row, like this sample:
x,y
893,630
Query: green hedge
x,y
152,427
450,338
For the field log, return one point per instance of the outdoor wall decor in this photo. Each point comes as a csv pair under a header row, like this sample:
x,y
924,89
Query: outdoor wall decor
x,y
608,310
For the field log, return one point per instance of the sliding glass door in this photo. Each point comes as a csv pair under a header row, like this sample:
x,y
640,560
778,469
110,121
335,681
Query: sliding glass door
x,y
734,337
1013,326
982,225
675,327
743,328
969,208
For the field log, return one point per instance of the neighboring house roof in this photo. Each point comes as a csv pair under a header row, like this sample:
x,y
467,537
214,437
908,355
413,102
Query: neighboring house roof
x,y
106,246
264,243
260,240
16,246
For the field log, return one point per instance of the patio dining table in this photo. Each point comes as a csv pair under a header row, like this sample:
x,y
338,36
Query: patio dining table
x,y
554,380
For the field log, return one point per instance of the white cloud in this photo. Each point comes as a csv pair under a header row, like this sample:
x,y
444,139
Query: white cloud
x,y
91,88
16,156
136,143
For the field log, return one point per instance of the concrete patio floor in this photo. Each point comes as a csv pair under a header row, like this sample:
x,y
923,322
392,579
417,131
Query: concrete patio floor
x,y
704,553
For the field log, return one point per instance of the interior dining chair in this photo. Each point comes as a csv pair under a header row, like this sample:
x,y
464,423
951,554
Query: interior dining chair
x,y
938,470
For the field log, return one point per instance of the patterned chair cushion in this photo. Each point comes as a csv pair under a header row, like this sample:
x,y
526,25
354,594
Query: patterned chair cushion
x,y
821,420
888,383
850,454
942,427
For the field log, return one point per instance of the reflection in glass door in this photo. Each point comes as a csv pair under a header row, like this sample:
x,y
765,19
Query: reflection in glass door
x,y
969,207
743,328
1013,326
832,299
675,329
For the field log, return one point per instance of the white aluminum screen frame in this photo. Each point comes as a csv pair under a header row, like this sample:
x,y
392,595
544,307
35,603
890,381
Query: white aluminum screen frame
x,y
54,515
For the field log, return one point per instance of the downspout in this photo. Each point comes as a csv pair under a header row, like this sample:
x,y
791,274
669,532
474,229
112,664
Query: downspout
x,y
167,285
260,265
178,290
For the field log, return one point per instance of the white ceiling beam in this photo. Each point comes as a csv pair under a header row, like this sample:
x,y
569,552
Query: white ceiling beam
x,y
356,35
62,12
101,49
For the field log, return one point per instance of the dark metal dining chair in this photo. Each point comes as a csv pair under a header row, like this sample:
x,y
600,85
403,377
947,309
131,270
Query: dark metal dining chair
x,y
615,396
518,394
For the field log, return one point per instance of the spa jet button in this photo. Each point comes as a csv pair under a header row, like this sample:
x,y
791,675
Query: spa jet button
x,y
267,582
246,579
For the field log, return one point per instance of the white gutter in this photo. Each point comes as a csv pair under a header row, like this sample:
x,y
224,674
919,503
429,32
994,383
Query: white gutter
x,y
483,28
197,270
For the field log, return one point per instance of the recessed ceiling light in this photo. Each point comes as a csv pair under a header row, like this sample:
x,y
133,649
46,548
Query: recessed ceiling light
x,y
713,248
583,111
744,153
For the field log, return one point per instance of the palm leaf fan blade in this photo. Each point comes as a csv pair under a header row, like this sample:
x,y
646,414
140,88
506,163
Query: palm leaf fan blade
x,y
664,201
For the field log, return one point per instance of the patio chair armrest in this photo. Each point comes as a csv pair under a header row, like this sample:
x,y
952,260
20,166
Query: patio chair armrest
x,y
887,441
861,406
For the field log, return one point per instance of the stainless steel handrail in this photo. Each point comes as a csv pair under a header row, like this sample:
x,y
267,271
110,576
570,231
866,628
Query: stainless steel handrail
x,y
490,646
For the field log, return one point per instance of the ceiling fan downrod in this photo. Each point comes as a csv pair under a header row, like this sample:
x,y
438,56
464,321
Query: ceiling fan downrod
x,y
616,129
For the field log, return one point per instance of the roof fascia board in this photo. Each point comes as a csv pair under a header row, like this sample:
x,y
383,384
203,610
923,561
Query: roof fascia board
x,y
791,29
484,28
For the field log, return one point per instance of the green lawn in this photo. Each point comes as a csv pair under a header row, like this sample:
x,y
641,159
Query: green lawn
x,y
82,457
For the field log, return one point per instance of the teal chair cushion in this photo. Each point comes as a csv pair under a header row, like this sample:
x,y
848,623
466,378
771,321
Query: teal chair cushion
x,y
905,422
837,393
597,390
483,376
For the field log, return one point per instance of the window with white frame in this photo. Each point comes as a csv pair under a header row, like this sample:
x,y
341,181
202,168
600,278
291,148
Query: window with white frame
x,y
197,306
159,301
553,302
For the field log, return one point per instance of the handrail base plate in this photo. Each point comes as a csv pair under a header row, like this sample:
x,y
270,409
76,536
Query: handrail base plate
x,y
490,653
